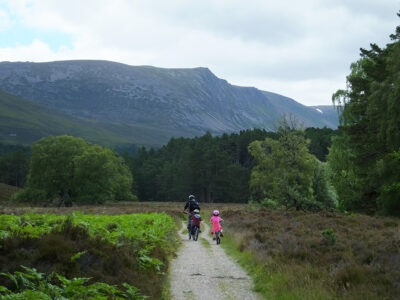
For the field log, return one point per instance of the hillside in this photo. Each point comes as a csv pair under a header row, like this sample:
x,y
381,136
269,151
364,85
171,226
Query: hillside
x,y
329,112
183,102
23,122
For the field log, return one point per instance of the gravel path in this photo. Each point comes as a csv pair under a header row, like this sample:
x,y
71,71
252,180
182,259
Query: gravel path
x,y
202,270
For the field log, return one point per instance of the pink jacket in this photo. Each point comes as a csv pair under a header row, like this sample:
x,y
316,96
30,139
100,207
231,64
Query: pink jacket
x,y
216,225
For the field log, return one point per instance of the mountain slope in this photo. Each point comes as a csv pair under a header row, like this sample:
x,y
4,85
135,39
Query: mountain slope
x,y
181,102
312,116
24,122
330,113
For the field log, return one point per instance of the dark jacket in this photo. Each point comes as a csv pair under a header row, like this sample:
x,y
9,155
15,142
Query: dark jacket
x,y
192,205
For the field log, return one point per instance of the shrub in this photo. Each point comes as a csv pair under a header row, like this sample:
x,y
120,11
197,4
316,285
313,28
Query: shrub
x,y
329,236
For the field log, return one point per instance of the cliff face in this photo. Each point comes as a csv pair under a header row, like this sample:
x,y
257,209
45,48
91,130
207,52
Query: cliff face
x,y
191,101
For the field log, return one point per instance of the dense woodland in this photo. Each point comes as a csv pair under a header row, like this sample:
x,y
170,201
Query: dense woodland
x,y
216,169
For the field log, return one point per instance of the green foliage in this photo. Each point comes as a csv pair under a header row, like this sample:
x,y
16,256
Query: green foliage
x,y
68,169
14,167
100,175
329,236
32,284
370,125
215,169
151,228
388,169
284,171
341,163
30,195
78,255
324,192
320,141
111,249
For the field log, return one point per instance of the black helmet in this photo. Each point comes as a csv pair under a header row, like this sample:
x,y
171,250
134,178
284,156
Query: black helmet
x,y
191,197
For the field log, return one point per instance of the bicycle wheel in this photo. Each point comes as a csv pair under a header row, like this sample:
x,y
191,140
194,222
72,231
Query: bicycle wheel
x,y
190,232
196,233
217,239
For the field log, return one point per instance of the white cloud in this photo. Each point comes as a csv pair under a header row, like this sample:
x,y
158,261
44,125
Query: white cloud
x,y
37,49
308,92
299,49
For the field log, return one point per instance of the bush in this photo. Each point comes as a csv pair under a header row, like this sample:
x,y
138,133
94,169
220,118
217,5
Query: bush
x,y
329,236
31,195
270,203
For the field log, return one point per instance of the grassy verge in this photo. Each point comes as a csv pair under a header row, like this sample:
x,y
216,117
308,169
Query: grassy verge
x,y
275,281
296,255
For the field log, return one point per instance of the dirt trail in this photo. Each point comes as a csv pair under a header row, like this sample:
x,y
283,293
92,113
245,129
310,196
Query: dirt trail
x,y
202,270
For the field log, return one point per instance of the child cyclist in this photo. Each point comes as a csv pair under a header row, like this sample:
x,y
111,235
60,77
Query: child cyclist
x,y
195,220
215,220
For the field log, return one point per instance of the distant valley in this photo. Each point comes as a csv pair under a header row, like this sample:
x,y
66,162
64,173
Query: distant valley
x,y
113,103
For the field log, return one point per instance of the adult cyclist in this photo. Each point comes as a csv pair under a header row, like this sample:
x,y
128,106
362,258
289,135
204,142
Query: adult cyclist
x,y
191,205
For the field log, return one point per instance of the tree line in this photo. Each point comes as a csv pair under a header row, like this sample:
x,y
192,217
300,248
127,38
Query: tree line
x,y
214,168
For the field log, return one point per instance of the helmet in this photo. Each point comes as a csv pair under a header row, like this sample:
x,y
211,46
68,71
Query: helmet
x,y
215,212
196,211
191,197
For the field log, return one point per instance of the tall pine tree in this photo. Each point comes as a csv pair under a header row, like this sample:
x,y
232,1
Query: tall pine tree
x,y
362,159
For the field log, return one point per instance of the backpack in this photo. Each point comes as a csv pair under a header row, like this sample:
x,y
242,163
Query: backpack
x,y
193,204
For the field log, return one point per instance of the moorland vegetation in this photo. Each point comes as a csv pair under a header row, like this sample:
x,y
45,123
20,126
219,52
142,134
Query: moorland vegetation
x,y
84,256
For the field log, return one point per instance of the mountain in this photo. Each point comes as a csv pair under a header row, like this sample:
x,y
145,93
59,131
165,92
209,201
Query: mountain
x,y
149,100
24,122
329,112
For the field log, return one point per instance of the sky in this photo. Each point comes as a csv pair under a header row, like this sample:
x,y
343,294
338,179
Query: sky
x,y
299,49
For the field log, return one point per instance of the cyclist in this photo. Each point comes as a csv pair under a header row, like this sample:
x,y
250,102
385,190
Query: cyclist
x,y
191,205
195,220
215,220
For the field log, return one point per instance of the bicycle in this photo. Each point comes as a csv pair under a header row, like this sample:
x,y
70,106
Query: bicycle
x,y
194,232
217,237
189,224
193,225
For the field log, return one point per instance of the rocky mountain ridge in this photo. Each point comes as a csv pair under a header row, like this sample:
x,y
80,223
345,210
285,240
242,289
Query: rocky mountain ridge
x,y
185,102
